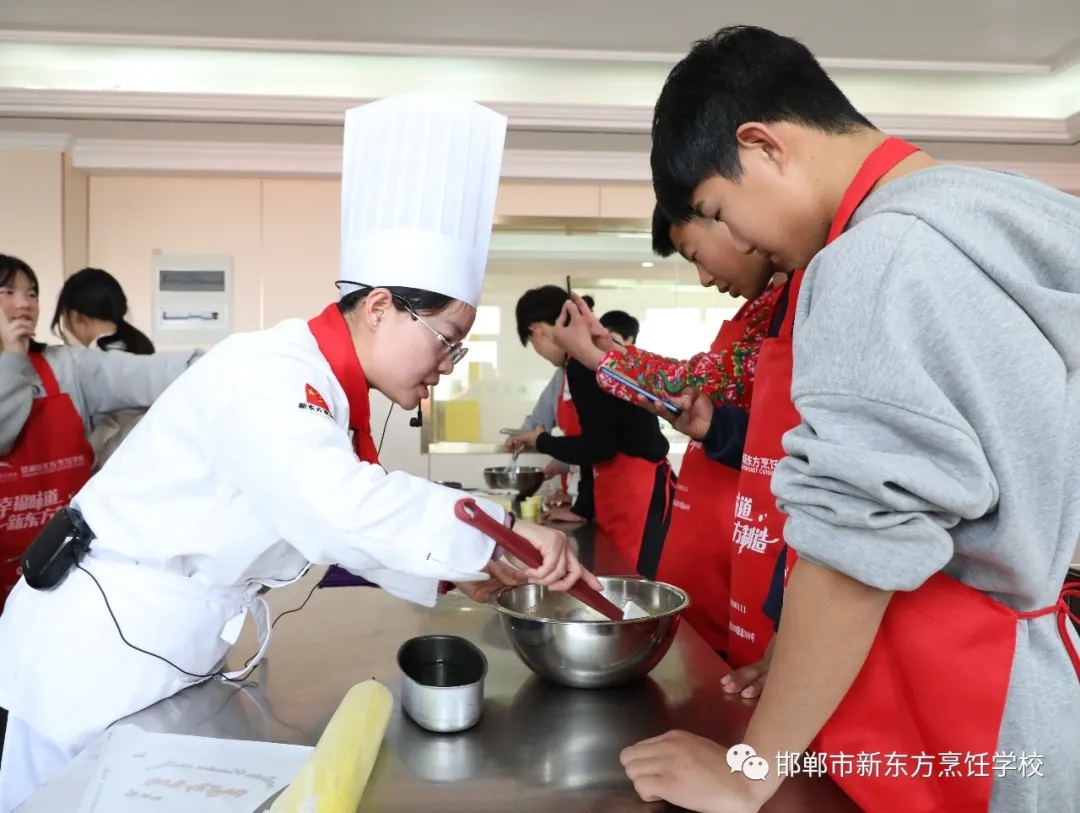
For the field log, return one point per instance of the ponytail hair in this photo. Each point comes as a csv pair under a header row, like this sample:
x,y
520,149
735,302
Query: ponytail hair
x,y
133,339
97,294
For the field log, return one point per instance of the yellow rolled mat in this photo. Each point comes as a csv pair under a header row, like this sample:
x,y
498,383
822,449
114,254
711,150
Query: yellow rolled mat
x,y
335,775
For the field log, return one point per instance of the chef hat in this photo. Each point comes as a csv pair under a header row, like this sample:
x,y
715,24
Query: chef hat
x,y
418,188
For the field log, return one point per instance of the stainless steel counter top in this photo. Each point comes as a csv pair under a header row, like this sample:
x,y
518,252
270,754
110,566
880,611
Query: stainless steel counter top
x,y
538,747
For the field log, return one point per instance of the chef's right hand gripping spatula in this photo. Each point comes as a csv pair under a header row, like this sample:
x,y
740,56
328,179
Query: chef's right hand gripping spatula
x,y
470,513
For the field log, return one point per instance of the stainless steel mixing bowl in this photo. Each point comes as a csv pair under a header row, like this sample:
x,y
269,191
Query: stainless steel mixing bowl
x,y
525,480
562,640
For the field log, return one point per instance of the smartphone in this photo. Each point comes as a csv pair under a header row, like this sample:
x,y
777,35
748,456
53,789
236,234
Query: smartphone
x,y
570,294
511,432
626,382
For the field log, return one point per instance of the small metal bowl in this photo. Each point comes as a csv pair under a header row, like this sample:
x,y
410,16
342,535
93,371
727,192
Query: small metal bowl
x,y
442,686
562,640
524,480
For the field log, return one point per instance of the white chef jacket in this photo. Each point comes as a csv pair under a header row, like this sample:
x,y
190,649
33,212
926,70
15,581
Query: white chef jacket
x,y
231,477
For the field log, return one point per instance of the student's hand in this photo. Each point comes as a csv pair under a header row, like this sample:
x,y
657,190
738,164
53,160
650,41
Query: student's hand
x,y
515,444
502,575
596,329
15,334
561,569
527,441
558,498
571,330
696,415
581,336
563,513
692,773
552,469
748,681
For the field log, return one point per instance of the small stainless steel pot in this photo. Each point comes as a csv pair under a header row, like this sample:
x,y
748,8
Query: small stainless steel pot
x,y
442,682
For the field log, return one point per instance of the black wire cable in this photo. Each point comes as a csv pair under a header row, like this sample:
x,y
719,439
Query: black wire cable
x,y
120,632
386,423
311,592
219,673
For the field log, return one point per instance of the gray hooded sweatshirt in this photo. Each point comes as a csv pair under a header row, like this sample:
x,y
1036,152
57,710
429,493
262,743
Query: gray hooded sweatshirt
x,y
98,383
936,359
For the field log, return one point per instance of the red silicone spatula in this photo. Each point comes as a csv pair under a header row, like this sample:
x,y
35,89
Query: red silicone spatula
x,y
469,512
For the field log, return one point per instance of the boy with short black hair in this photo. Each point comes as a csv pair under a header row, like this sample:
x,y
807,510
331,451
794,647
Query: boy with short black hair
x,y
931,473
623,445
728,582
622,326
576,492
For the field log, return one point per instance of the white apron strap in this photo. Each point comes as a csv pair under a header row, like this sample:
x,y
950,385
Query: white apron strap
x,y
260,610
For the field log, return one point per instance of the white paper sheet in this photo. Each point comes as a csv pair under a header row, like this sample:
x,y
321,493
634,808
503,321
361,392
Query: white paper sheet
x,y
141,772
62,794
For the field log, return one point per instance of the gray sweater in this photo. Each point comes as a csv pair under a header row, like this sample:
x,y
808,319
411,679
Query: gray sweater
x,y
98,383
544,412
937,350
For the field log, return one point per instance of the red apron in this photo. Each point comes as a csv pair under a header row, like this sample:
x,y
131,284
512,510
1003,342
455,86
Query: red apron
x,y
48,464
757,527
605,561
697,554
622,493
567,419
905,699
622,496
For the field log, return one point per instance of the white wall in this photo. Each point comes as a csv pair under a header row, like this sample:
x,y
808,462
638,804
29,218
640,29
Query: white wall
x,y
32,219
283,235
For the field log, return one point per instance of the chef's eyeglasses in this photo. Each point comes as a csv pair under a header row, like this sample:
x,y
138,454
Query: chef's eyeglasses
x,y
454,351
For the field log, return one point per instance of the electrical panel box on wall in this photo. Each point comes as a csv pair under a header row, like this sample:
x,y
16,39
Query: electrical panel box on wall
x,y
193,299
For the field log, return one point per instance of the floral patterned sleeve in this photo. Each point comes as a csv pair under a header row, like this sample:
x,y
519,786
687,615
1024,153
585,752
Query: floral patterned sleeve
x,y
726,376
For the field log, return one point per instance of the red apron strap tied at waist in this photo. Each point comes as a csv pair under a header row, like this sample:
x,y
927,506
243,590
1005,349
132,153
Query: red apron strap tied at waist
x,y
1064,612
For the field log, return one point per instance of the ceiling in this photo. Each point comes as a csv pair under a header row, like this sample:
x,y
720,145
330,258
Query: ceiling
x,y
218,82
521,139
975,31
630,247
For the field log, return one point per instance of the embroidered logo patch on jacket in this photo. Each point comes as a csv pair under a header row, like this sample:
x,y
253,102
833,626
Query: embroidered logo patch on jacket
x,y
313,402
